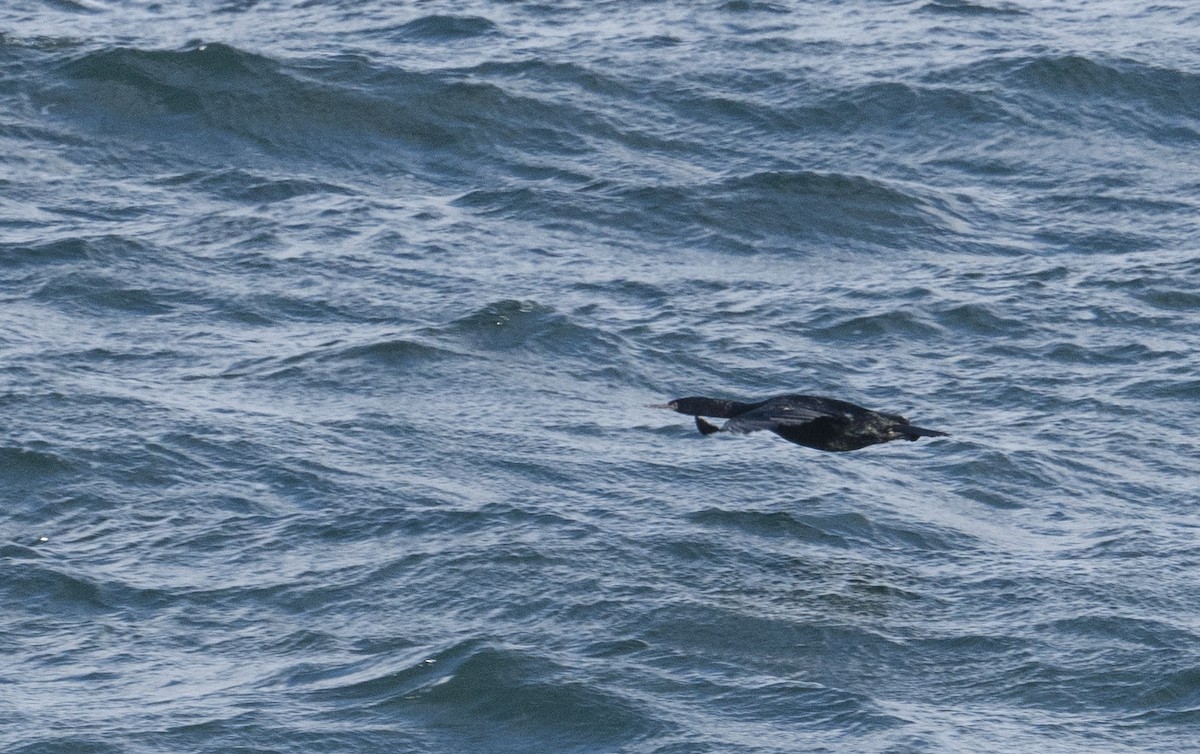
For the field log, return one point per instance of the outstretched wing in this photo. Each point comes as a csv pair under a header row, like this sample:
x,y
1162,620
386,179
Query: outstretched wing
x,y
742,425
775,419
787,413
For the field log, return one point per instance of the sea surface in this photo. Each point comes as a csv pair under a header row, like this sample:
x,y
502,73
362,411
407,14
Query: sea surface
x,y
327,330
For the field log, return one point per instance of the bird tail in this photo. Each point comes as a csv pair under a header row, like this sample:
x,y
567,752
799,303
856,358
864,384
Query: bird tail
x,y
911,433
706,428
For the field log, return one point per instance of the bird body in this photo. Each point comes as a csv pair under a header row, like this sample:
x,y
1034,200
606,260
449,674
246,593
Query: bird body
x,y
808,420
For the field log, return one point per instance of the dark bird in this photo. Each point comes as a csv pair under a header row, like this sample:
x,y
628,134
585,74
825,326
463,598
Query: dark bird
x,y
809,420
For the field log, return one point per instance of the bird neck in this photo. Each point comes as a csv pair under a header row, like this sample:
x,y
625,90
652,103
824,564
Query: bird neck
x,y
719,409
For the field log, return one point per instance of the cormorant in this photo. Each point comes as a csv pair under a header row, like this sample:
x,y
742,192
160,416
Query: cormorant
x,y
809,420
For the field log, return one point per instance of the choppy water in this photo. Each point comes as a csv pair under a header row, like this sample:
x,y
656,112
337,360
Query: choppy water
x,y
327,330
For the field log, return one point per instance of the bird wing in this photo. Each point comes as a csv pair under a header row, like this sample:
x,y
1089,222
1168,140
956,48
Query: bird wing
x,y
741,425
772,417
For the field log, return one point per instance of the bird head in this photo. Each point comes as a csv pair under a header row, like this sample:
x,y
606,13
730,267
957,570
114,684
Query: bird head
x,y
696,406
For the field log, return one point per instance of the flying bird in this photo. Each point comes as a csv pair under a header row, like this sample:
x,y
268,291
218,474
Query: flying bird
x,y
808,420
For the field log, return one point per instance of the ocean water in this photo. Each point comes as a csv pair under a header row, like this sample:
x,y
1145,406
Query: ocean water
x,y
327,329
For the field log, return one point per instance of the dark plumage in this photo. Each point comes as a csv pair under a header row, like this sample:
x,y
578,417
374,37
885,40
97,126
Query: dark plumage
x,y
809,420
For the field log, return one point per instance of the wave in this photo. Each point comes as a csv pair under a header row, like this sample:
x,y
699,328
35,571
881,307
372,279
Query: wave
x,y
777,523
981,319
441,28
906,108
240,185
966,8
781,209
840,531
513,324
103,249
333,359
494,331
219,99
477,692
1064,92
752,6
1178,692
20,466
102,293
853,327
46,588
1126,81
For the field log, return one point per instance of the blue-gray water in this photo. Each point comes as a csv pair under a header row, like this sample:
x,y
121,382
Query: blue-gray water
x,y
327,330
